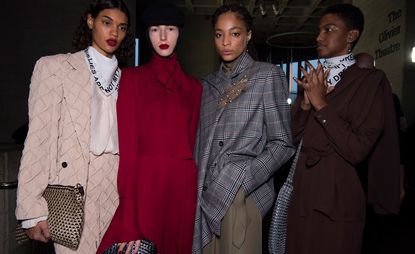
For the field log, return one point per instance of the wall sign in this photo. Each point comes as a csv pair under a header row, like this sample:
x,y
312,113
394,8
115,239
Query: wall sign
x,y
394,18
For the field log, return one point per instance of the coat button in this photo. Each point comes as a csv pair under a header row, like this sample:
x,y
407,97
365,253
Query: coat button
x,y
220,143
204,187
64,164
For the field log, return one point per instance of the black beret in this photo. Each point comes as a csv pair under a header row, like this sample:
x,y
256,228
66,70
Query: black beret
x,y
162,13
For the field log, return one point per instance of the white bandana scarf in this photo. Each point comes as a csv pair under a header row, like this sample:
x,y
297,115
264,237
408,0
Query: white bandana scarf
x,y
107,87
337,65
105,74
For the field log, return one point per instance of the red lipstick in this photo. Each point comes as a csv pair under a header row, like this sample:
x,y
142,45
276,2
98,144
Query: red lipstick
x,y
112,42
164,46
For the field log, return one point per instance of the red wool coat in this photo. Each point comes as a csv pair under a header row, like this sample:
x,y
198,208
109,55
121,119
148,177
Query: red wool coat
x,y
158,114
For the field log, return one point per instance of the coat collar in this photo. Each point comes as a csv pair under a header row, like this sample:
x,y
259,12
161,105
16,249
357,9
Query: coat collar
x,y
348,79
77,60
77,95
219,78
243,61
165,69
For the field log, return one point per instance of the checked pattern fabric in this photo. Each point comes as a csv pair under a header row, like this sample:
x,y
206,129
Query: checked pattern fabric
x,y
278,229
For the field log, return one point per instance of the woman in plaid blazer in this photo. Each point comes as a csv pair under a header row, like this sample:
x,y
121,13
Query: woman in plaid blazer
x,y
244,137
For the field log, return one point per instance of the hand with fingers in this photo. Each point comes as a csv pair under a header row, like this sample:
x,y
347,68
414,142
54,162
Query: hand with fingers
x,y
315,86
40,232
305,104
130,247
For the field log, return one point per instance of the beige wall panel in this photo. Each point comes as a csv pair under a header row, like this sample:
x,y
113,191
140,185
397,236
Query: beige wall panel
x,y
384,37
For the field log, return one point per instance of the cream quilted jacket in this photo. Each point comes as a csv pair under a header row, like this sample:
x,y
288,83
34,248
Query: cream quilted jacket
x,y
57,146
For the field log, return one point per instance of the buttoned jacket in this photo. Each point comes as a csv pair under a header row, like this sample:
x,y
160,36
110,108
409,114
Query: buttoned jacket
x,y
354,135
56,149
255,141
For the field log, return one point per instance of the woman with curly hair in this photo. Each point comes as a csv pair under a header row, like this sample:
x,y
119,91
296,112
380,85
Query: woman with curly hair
x,y
73,134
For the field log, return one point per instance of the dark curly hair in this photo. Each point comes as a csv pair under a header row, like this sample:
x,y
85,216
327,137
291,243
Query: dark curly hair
x,y
351,15
240,11
83,35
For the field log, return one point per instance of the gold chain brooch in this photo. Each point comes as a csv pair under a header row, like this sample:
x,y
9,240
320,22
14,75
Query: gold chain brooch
x,y
232,92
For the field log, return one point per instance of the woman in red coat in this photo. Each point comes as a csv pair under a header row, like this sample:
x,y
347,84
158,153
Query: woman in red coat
x,y
158,114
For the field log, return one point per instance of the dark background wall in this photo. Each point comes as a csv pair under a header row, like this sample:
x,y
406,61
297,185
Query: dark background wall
x,y
32,29
408,87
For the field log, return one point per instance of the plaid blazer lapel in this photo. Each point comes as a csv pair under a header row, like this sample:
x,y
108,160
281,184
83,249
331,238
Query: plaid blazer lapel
x,y
213,113
214,87
206,135
218,81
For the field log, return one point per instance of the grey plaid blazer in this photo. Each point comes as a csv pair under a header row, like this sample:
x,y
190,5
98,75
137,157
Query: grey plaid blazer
x,y
256,142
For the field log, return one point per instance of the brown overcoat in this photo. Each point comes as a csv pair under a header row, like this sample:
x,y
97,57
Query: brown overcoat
x,y
327,210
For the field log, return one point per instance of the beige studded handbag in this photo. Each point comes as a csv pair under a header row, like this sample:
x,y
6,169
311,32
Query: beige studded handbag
x,y
66,215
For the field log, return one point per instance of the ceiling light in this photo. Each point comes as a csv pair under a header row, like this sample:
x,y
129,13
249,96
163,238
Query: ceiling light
x,y
413,55
262,10
276,10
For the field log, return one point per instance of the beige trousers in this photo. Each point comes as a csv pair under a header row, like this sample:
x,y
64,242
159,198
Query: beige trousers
x,y
241,229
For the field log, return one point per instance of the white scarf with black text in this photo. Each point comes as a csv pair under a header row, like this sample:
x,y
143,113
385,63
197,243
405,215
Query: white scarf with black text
x,y
105,76
337,65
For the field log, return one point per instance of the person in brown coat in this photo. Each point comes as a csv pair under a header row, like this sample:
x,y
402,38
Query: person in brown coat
x,y
346,121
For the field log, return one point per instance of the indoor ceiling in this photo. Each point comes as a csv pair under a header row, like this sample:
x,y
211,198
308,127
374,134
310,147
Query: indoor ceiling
x,y
279,23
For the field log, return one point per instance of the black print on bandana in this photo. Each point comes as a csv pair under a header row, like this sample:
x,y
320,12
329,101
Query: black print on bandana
x,y
112,86
337,65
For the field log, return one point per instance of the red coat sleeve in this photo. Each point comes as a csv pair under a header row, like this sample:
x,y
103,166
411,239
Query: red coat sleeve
x,y
195,114
124,226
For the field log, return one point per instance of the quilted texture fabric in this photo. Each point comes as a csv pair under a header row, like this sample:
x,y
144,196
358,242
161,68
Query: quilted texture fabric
x,y
100,204
57,147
